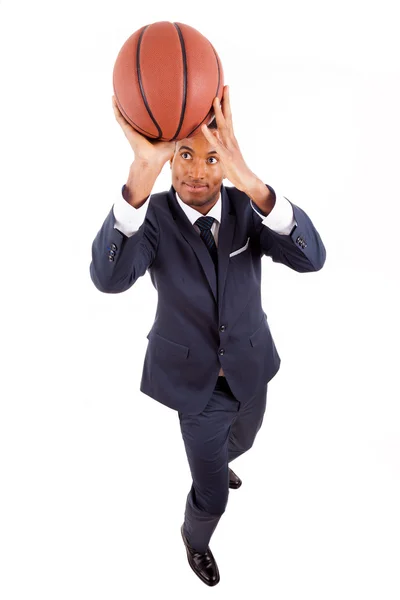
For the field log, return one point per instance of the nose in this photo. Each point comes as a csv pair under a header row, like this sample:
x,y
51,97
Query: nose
x,y
197,171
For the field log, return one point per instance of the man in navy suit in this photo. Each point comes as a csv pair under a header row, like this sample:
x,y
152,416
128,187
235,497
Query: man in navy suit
x,y
210,354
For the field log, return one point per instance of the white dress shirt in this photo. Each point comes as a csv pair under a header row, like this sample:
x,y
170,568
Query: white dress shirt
x,y
128,219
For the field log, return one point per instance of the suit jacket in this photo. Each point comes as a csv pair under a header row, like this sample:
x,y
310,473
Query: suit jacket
x,y
204,321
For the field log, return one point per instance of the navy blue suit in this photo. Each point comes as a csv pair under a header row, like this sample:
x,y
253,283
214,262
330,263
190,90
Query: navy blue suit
x,y
205,321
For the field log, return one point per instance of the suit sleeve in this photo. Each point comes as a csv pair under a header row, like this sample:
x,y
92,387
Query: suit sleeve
x,y
301,250
118,260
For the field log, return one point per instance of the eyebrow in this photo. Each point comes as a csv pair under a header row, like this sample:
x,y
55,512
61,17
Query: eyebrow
x,y
191,150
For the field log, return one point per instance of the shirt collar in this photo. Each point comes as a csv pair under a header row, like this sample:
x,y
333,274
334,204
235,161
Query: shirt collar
x,y
193,214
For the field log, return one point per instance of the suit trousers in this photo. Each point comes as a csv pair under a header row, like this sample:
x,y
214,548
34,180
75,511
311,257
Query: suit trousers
x,y
220,433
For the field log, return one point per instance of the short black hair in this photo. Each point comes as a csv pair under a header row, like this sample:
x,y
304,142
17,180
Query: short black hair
x,y
212,125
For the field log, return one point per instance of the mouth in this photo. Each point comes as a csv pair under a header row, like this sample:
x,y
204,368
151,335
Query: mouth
x,y
196,187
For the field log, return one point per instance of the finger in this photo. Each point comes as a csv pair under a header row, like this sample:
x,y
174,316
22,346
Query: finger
x,y
117,112
219,115
210,136
114,102
125,126
120,118
207,133
214,139
227,105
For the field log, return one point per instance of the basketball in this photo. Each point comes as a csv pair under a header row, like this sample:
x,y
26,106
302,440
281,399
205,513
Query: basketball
x,y
165,79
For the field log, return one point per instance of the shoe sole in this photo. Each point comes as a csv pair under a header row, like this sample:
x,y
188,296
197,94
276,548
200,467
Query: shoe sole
x,y
210,583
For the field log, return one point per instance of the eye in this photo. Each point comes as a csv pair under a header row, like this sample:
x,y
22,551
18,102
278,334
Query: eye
x,y
185,153
214,158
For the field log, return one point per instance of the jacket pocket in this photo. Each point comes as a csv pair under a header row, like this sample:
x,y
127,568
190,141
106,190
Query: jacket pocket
x,y
242,249
166,348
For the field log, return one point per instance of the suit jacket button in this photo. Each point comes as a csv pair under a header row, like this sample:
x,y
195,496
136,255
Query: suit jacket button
x,y
221,351
111,258
113,247
222,328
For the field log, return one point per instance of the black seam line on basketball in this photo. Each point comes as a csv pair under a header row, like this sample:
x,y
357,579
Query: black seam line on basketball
x,y
141,83
182,41
129,119
219,79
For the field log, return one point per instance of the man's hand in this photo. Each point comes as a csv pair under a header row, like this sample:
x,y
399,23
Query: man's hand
x,y
150,158
223,138
154,154
233,164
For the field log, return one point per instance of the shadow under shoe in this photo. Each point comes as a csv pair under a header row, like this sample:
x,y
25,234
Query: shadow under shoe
x,y
202,563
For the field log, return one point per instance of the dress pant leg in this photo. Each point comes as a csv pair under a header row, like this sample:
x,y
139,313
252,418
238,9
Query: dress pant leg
x,y
206,438
247,424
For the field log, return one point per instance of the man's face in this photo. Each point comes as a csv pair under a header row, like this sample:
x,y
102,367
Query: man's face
x,y
197,173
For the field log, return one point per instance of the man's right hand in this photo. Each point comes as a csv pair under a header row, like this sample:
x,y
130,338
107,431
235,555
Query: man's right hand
x,y
149,152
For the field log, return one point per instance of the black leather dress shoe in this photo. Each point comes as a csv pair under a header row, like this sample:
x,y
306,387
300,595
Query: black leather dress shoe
x,y
202,563
234,481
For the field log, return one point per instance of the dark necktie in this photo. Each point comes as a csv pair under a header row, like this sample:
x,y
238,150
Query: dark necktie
x,y
204,224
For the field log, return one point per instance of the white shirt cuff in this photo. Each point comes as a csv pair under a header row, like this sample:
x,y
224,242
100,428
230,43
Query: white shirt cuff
x,y
281,218
128,219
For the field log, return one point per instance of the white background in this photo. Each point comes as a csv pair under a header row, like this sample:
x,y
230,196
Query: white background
x,y
93,473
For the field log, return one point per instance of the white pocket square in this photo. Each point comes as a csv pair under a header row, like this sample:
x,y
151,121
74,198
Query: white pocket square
x,y
240,249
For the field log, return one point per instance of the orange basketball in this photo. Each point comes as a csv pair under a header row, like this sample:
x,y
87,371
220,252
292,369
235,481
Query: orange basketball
x,y
165,79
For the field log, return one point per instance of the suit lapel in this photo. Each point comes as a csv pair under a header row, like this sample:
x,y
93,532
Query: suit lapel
x,y
225,236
